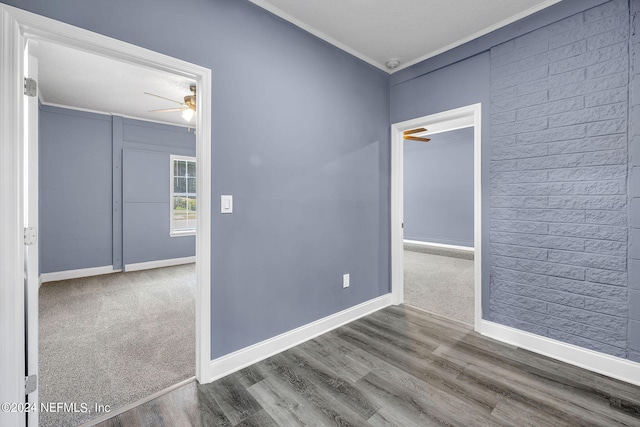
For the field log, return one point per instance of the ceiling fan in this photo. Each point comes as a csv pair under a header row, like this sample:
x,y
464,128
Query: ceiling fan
x,y
409,135
188,107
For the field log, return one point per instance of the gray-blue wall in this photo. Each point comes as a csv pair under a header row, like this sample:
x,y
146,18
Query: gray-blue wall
x,y
438,188
75,190
310,176
82,222
464,82
143,150
634,187
300,139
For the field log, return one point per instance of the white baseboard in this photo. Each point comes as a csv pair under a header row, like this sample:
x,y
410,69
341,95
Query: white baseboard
x,y
611,366
74,274
160,263
237,360
107,269
440,245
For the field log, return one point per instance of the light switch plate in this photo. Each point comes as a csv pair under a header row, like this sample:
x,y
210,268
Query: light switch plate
x,y
226,204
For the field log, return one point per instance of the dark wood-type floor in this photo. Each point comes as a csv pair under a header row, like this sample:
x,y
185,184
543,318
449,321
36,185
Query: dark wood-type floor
x,y
398,367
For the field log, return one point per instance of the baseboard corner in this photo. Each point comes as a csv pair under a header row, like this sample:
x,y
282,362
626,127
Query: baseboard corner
x,y
247,356
159,263
610,366
76,274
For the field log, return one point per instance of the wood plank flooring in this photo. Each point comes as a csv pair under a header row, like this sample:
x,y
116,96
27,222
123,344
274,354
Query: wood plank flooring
x,y
398,367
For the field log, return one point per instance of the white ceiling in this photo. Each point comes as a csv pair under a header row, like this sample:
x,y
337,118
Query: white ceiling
x,y
409,31
73,78
373,30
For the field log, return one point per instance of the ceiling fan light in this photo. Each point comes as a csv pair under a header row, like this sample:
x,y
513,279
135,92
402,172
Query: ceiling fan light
x,y
187,114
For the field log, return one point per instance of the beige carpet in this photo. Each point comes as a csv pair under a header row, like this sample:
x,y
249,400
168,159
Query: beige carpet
x,y
439,281
115,339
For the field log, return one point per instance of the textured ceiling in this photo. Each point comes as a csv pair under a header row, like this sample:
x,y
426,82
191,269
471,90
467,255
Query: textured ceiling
x,y
78,79
406,30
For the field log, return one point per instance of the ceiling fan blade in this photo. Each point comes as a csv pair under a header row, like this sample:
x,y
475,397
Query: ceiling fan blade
x,y
417,138
168,99
412,131
167,110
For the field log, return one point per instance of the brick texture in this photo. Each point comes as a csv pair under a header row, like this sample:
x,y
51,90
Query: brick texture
x,y
633,336
560,194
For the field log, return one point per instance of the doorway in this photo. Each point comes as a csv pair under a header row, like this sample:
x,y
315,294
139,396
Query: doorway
x,y
18,27
438,224
117,303
460,118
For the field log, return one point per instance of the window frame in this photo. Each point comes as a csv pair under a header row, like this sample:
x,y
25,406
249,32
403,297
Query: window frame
x,y
179,232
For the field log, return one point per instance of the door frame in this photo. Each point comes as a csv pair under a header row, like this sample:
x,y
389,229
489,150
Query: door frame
x,y
469,116
32,252
16,27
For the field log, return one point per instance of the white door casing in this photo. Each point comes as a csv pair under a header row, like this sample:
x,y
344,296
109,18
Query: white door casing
x,y
469,116
12,332
31,213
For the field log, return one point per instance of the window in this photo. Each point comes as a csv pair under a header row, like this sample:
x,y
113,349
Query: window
x,y
183,196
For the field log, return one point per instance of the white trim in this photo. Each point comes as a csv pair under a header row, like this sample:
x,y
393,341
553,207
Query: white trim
x,y
440,122
440,245
455,124
12,321
108,269
611,366
125,408
477,214
158,264
203,225
478,34
31,209
105,113
72,108
237,360
75,274
182,233
397,217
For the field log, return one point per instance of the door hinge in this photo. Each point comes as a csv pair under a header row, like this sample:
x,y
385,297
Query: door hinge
x,y
30,384
30,87
30,236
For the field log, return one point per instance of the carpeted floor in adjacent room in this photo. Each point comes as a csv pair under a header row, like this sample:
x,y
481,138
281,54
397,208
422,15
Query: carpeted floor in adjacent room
x,y
115,339
440,281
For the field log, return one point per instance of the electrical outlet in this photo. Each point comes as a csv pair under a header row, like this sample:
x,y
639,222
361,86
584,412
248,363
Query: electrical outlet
x,y
345,280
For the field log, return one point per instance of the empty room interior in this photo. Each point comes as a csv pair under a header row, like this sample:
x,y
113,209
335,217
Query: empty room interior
x,y
117,210
438,223
398,220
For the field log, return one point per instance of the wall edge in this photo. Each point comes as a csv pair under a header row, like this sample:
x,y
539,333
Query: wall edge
x,y
611,366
